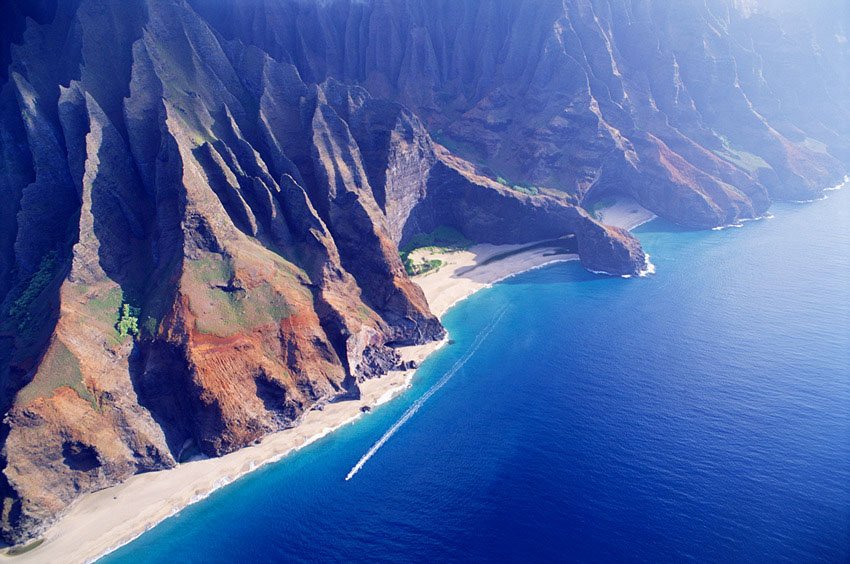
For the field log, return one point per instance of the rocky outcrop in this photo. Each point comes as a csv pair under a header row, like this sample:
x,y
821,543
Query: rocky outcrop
x,y
458,196
203,200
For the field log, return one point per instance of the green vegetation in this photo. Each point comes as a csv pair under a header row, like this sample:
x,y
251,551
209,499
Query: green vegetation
x,y
112,312
224,313
222,307
416,269
408,264
457,147
128,321
23,549
150,325
37,283
105,309
442,239
742,159
364,312
106,304
213,269
59,368
529,189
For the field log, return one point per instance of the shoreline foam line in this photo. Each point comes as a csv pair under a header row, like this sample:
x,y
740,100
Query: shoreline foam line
x,y
841,185
415,406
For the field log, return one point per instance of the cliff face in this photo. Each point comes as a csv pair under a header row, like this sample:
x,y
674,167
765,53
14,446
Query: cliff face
x,y
704,111
197,244
202,201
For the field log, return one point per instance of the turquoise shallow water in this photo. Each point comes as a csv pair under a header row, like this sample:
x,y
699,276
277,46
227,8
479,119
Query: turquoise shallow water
x,y
702,413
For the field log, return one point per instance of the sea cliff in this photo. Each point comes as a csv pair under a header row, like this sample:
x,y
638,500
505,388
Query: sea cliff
x,y
203,201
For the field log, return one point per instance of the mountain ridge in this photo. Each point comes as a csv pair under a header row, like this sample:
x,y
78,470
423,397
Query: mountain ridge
x,y
204,201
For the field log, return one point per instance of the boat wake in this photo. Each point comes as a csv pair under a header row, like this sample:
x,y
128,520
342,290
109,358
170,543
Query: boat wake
x,y
411,411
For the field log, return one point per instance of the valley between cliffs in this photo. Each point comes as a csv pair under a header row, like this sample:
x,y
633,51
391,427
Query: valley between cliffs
x,y
105,520
203,201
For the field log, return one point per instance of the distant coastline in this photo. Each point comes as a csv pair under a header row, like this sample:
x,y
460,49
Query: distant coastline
x,y
103,521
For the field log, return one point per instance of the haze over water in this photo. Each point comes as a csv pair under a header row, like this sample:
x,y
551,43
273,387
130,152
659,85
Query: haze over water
x,y
702,413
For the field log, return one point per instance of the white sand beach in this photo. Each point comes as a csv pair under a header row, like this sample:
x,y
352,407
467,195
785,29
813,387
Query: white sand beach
x,y
103,521
465,272
625,213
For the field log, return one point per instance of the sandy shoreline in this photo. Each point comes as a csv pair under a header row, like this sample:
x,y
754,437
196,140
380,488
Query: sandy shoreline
x,y
465,272
625,213
103,521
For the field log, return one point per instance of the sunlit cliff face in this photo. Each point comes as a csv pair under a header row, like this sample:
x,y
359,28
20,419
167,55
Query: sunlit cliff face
x,y
203,200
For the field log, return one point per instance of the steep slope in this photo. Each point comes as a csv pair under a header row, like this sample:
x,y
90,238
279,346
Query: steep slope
x,y
203,200
197,245
704,111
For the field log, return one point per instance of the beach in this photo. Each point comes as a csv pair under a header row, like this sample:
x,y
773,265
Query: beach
x,y
467,271
625,213
105,520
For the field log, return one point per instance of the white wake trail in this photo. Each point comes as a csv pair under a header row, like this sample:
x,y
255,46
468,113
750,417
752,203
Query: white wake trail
x,y
414,407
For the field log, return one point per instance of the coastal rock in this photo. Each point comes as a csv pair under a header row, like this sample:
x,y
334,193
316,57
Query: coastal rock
x,y
483,210
204,200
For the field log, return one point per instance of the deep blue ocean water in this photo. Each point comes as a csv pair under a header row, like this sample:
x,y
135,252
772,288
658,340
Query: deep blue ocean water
x,y
702,414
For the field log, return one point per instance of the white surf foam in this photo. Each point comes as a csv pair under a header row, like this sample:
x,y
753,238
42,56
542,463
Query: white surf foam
x,y
839,186
813,200
648,267
740,223
411,411
729,226
757,218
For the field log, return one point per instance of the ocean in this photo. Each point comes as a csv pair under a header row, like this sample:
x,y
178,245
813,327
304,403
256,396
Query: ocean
x,y
698,414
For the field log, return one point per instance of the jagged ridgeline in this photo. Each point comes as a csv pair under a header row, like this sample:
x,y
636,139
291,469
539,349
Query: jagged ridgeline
x,y
203,200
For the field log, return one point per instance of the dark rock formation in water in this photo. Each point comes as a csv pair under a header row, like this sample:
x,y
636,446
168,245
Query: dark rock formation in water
x,y
203,200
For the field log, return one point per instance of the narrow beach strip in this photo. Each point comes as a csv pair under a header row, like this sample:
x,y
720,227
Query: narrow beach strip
x,y
103,521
